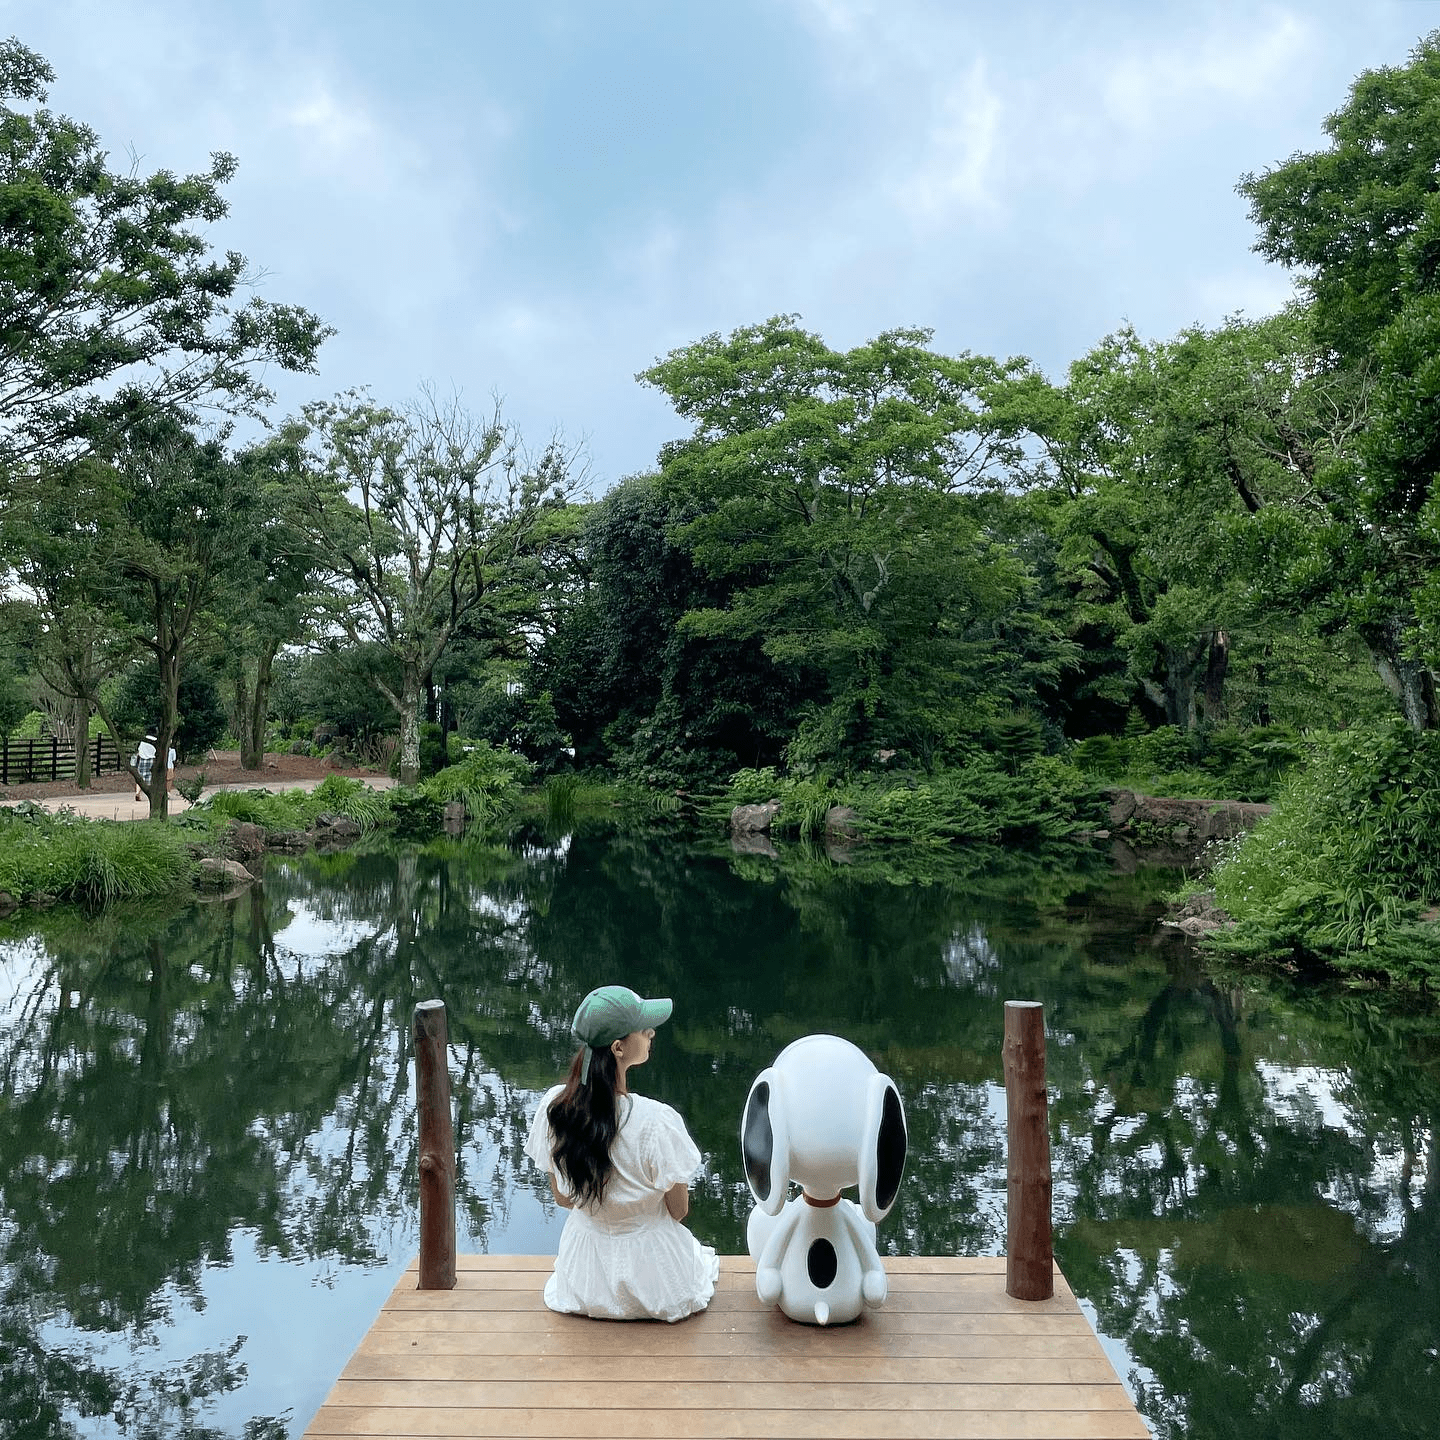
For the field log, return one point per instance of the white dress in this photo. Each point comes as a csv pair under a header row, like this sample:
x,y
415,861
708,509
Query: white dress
x,y
629,1258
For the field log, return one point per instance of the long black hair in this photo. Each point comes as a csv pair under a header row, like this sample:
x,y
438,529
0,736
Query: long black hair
x,y
584,1119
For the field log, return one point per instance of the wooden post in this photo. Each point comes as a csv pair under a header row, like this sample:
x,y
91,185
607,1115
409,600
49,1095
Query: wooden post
x,y
437,1148
1029,1254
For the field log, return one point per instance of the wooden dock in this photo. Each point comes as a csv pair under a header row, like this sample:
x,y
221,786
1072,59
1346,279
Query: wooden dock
x,y
948,1355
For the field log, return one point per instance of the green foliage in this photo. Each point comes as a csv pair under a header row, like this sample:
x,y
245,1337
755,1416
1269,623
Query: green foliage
x,y
488,780
345,795
30,726
754,787
191,787
269,809
115,306
1341,870
135,703
1224,764
413,812
91,861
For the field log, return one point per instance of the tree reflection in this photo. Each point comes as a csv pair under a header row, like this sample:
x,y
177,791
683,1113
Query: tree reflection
x,y
1247,1186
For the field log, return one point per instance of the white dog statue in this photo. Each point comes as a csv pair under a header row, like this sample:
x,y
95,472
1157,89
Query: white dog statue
x,y
823,1116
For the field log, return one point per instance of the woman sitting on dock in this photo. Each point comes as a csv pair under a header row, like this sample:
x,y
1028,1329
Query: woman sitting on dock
x,y
621,1165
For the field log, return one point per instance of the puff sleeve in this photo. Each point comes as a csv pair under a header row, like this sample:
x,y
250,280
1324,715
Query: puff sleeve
x,y
540,1142
668,1156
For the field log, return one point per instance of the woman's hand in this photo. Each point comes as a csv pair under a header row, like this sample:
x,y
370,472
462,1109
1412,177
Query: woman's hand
x,y
677,1200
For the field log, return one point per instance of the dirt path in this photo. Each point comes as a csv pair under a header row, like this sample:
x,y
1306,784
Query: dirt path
x,y
112,797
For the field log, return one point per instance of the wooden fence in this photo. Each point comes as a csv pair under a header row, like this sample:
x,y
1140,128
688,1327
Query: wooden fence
x,y
23,761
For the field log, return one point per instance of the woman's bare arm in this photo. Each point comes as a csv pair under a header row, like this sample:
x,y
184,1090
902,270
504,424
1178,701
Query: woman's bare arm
x,y
563,1201
677,1200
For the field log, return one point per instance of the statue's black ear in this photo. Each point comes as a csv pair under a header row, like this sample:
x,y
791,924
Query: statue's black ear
x,y
765,1142
882,1160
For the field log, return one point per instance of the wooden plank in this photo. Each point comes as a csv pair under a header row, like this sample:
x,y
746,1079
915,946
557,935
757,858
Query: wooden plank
x,y
618,1342
737,1321
570,1369
723,1395
743,1264
532,1281
972,1299
732,1425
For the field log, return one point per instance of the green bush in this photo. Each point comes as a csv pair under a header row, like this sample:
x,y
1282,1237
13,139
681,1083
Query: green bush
x,y
1339,873
488,780
92,861
1162,750
753,787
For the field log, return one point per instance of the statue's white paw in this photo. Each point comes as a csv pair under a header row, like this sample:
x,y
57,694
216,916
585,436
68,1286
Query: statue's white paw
x,y
875,1287
768,1285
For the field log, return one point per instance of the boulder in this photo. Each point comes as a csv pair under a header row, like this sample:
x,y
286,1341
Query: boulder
x,y
754,819
224,872
244,841
842,820
338,827
452,819
1200,915
8,902
1122,805
289,842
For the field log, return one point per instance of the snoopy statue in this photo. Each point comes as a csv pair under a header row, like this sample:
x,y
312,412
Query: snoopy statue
x,y
823,1116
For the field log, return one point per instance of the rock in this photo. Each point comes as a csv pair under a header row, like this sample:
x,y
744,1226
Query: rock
x,y
8,902
754,819
1122,805
244,841
452,819
289,842
338,827
842,820
224,872
299,747
1200,915
338,760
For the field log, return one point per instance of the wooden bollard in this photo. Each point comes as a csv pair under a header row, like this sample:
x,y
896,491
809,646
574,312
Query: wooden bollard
x,y
1029,1253
437,1148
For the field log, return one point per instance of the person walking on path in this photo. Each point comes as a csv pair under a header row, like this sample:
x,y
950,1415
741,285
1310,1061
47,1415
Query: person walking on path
x,y
621,1165
144,760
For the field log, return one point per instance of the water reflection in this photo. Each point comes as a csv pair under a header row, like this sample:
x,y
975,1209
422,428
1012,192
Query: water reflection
x,y
207,1144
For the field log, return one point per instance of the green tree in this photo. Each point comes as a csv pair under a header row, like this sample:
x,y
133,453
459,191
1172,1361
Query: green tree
x,y
829,495
112,306
1360,223
444,509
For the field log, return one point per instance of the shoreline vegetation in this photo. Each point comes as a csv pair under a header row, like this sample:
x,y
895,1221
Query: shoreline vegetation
x,y
1341,876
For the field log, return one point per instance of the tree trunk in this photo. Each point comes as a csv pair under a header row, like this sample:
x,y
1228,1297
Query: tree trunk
x,y
410,730
242,715
1216,668
1182,673
169,720
80,728
259,709
1410,681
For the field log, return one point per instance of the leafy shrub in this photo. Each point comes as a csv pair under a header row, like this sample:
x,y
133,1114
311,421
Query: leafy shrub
x,y
413,812
94,861
1104,756
753,787
1162,750
1342,868
488,780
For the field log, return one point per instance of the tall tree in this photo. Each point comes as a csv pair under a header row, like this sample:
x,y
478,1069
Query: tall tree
x,y
1360,223
422,517
830,494
112,306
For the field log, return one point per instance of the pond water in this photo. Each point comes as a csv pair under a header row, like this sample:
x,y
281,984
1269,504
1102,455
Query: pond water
x,y
207,1140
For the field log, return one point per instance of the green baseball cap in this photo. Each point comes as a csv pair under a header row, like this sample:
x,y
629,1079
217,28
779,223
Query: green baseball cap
x,y
613,1011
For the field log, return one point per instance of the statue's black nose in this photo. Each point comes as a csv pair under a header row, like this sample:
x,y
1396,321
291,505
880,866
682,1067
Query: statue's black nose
x,y
821,1263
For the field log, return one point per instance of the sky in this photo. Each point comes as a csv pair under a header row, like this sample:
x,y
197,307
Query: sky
x,y
537,200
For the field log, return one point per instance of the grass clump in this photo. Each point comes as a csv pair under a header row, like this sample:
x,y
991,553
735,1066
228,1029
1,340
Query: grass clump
x,y
92,862
1344,868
